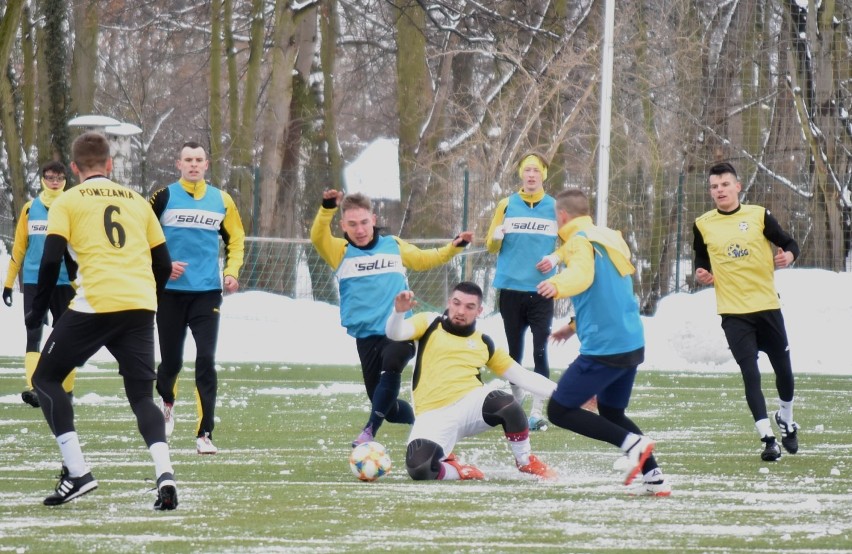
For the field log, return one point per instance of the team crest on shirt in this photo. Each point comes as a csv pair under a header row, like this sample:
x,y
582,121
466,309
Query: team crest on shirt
x,y
743,226
734,250
471,344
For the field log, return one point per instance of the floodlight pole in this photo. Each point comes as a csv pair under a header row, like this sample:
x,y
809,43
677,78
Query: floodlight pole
x,y
606,113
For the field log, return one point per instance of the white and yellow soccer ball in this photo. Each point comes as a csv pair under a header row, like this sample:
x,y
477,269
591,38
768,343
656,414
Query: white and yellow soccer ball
x,y
369,461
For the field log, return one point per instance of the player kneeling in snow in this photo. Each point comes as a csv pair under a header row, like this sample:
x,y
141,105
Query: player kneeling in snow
x,y
450,400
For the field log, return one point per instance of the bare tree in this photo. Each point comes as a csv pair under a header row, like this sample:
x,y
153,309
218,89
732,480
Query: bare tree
x,y
83,75
8,106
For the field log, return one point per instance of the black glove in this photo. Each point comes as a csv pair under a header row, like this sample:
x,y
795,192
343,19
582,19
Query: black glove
x,y
7,296
33,320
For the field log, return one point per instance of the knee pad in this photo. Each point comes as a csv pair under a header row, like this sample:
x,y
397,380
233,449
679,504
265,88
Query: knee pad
x,y
500,408
423,459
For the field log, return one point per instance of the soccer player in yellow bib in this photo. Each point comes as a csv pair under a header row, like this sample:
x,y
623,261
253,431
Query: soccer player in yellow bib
x,y
450,400
122,260
734,253
26,257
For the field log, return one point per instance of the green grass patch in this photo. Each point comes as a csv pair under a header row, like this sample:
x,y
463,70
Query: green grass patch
x,y
281,481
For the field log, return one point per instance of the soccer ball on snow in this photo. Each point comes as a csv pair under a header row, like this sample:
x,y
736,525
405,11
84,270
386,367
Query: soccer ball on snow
x,y
369,461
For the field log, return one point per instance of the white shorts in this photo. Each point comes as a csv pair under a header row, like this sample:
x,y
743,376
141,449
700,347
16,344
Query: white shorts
x,y
448,425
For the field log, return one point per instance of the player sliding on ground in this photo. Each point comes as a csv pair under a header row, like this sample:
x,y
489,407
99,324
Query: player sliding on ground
x,y
450,400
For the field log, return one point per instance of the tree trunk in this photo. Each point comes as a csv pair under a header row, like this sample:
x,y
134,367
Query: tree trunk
x,y
813,83
276,119
242,174
56,55
414,97
328,56
28,83
11,137
85,56
216,151
276,203
322,278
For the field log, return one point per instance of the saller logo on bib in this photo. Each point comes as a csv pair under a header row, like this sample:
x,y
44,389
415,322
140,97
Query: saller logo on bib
x,y
192,219
197,218
530,226
377,264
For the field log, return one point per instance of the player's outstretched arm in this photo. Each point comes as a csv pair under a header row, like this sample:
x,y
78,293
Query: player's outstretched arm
x,y
463,239
417,259
330,248
397,327
530,381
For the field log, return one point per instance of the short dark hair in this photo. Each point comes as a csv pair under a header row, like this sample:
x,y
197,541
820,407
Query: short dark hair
x,y
54,166
90,150
469,288
573,201
356,200
721,169
192,144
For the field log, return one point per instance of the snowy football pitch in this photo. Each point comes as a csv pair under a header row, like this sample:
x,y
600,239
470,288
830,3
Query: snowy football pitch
x,y
281,482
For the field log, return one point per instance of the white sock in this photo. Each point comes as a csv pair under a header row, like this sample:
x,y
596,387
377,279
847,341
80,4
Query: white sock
x,y
764,429
72,454
537,403
518,393
521,450
785,411
654,475
629,441
162,460
450,473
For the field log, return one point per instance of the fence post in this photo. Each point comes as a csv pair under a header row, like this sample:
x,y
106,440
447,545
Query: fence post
x,y
679,229
465,217
255,210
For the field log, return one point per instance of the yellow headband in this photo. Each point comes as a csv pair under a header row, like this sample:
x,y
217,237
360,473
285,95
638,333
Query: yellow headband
x,y
536,161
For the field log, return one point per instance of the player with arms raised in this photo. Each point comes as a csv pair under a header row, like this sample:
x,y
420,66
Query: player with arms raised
x,y
370,270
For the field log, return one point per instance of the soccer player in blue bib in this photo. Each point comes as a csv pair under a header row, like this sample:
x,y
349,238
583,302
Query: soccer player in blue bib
x,y
30,234
522,231
371,270
598,277
194,215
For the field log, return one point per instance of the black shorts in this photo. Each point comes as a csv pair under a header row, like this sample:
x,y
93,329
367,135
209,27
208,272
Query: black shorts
x,y
759,331
128,335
